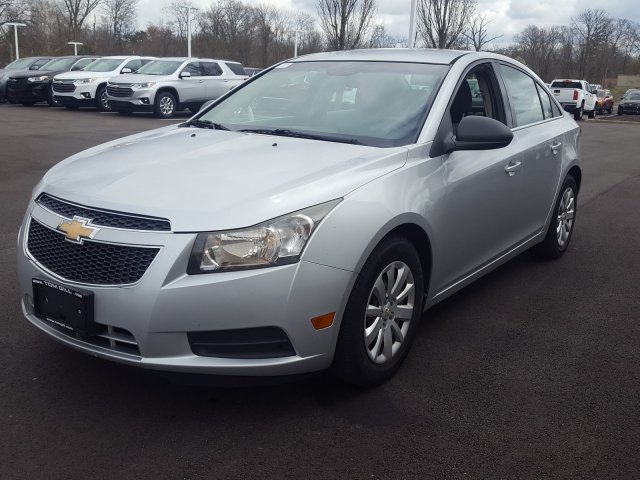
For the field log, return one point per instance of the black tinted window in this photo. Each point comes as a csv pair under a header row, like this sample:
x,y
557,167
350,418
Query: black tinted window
x,y
211,69
566,84
236,68
193,69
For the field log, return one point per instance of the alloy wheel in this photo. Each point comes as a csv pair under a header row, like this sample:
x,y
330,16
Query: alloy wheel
x,y
166,106
389,312
566,214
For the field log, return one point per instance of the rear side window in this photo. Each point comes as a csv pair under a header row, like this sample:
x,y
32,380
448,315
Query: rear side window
x,y
523,96
211,69
547,109
236,68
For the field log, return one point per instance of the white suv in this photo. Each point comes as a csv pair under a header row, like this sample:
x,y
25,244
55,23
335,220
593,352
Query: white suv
x,y
167,85
87,88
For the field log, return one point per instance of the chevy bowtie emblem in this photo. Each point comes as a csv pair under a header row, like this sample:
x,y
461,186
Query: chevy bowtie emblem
x,y
77,230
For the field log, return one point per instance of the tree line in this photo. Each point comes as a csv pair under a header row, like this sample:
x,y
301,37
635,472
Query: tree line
x,y
593,45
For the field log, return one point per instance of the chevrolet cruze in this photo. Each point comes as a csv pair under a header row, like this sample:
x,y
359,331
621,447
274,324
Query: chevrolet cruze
x,y
305,220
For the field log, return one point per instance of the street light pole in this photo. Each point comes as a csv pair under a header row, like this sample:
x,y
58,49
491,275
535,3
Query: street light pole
x,y
412,24
15,35
75,47
295,44
189,8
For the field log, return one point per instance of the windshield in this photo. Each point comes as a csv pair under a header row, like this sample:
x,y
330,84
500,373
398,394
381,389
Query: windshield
x,y
601,94
372,103
58,64
160,67
633,96
21,64
103,65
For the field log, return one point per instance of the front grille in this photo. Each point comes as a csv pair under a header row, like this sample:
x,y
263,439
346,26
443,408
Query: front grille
x,y
259,342
91,262
104,218
64,87
121,92
16,83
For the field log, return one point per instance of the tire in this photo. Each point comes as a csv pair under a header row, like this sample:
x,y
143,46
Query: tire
x,y
102,104
165,105
562,224
577,114
619,111
367,364
51,100
592,113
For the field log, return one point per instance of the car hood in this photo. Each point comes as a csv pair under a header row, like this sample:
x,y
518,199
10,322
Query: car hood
x,y
36,73
137,78
630,102
204,180
78,75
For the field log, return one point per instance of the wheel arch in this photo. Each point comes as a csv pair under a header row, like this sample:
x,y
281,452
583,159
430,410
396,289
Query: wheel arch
x,y
171,90
576,173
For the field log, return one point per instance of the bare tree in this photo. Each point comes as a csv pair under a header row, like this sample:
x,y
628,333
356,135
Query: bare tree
x,y
180,17
539,48
592,29
77,12
478,34
346,22
121,16
441,23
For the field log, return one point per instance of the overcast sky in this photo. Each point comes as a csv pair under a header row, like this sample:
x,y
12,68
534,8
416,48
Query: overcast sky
x,y
508,16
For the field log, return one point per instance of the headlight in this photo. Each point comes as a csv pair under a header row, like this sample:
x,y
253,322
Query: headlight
x,y
41,78
143,85
85,80
276,242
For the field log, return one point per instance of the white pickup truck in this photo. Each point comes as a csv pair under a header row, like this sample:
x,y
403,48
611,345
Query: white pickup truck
x,y
575,96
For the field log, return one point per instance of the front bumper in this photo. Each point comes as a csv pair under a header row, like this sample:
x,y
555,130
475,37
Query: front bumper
x,y
166,304
139,100
26,92
83,95
630,109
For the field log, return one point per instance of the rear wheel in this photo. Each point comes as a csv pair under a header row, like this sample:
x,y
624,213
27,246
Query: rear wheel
x,y
165,105
577,115
562,224
382,314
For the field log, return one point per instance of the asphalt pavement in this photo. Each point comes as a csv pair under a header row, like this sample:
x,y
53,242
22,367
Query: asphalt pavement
x,y
532,372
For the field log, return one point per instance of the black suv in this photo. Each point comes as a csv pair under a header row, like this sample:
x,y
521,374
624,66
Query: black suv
x,y
28,88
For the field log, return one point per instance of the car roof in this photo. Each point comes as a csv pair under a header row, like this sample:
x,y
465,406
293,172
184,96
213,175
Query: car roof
x,y
419,55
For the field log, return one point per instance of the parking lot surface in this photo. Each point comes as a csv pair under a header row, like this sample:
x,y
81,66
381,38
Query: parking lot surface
x,y
532,372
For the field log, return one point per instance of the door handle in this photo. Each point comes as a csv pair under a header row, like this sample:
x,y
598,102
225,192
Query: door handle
x,y
555,147
512,168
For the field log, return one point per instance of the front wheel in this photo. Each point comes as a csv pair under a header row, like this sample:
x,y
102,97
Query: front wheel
x,y
382,314
51,99
592,113
562,223
165,105
102,102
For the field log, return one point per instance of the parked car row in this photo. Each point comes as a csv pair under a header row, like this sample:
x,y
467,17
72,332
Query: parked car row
x,y
120,83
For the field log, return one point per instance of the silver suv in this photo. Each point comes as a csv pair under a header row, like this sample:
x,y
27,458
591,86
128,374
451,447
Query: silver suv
x,y
170,84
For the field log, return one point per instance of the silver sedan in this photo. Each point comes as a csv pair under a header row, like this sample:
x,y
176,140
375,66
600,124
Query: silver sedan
x,y
305,220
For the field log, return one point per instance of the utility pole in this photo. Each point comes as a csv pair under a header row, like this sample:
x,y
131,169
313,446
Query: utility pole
x,y
412,24
75,47
189,8
15,34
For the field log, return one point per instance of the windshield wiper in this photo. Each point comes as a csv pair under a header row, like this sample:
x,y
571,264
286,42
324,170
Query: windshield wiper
x,y
198,123
283,132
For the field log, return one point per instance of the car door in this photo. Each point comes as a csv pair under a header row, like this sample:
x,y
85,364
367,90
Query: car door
x,y
192,89
216,82
478,215
539,131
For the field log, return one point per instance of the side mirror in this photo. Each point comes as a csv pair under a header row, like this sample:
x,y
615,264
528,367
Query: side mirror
x,y
185,75
479,133
126,70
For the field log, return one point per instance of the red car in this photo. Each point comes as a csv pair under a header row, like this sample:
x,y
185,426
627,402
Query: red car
x,y
604,102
